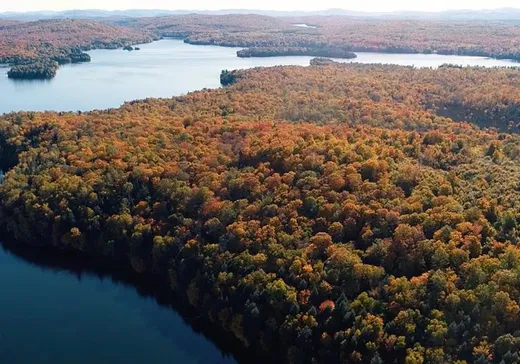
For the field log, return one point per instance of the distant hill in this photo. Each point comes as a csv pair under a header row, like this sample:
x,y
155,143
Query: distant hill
x,y
136,13
492,14
84,14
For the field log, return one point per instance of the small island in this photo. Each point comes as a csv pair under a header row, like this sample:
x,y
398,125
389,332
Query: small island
x,y
128,48
320,61
333,52
41,69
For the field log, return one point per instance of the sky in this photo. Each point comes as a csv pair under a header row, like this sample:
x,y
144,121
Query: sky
x,y
358,5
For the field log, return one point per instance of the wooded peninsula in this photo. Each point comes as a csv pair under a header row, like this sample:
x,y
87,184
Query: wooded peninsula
x,y
34,48
337,213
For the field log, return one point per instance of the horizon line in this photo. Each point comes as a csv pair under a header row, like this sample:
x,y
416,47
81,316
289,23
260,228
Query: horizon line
x,y
253,10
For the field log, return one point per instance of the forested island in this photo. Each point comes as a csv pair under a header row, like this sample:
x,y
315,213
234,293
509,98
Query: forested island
x,y
44,69
296,51
327,214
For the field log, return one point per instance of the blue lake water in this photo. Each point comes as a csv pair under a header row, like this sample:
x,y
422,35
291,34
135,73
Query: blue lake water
x,y
56,311
164,69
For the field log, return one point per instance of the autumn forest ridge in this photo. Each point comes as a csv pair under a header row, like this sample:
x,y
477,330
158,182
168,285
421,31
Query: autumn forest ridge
x,y
325,214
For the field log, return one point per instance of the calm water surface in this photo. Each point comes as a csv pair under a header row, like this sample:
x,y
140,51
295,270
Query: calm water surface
x,y
60,312
304,26
51,313
163,69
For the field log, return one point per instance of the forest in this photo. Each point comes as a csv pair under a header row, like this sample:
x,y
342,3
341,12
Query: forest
x,y
324,214
296,51
469,38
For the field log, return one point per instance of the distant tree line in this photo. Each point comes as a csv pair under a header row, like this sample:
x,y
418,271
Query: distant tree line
x,y
296,51
468,38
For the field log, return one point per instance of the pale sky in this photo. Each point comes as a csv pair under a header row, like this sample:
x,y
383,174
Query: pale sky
x,y
359,5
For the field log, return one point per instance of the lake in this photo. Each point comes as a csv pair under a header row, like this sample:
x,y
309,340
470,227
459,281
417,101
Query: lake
x,y
304,26
165,68
57,310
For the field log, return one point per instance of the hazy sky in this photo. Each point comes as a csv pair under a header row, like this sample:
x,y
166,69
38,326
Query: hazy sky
x,y
365,5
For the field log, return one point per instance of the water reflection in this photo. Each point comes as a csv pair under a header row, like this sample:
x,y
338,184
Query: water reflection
x,y
60,303
23,81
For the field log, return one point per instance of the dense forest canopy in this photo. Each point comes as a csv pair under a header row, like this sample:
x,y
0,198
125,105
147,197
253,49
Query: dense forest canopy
x,y
330,214
41,38
378,95
473,38
41,69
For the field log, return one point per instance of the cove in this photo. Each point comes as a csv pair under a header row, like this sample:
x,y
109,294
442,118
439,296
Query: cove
x,y
166,68
62,309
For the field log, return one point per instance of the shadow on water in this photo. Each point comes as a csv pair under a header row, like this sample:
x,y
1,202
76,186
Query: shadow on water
x,y
29,82
147,286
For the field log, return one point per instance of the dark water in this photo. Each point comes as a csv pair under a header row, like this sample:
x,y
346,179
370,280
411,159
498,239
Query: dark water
x,y
60,310
164,69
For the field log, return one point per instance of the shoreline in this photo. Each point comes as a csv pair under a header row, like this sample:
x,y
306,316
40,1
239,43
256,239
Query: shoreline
x,y
404,60
148,285
84,51
260,52
391,51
